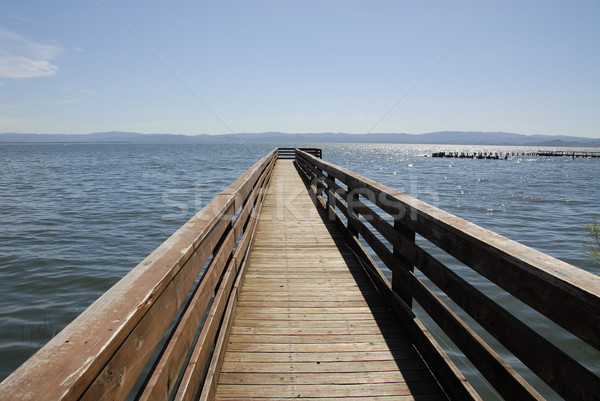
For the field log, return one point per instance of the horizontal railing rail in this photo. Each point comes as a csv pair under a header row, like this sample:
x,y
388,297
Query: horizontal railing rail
x,y
152,334
387,221
290,153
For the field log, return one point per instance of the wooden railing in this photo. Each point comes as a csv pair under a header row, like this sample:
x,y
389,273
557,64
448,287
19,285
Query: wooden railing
x,y
387,221
290,153
152,334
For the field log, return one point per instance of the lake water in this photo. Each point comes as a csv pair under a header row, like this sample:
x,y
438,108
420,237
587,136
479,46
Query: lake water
x,y
75,218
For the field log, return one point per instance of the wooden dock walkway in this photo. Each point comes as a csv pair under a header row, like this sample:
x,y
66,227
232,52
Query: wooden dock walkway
x,y
308,322
275,290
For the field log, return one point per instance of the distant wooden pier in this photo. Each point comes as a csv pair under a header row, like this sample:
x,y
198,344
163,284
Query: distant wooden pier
x,y
271,292
510,155
568,153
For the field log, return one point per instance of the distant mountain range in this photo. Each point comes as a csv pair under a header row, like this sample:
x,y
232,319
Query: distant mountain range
x,y
444,137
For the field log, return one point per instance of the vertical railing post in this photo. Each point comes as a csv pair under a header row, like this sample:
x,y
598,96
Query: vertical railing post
x,y
330,194
318,182
352,200
404,263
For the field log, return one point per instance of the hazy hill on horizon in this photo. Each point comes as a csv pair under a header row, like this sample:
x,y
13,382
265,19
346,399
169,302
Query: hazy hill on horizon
x,y
442,138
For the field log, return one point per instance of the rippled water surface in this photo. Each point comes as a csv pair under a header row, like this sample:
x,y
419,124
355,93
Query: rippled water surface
x,y
75,218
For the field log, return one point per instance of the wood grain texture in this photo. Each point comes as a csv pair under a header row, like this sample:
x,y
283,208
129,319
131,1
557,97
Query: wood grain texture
x,y
564,293
309,322
102,351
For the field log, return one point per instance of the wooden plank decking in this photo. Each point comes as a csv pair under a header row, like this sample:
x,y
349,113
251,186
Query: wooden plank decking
x,y
308,323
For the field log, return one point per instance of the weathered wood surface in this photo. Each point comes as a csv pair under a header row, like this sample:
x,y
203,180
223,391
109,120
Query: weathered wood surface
x,y
101,354
311,315
566,294
308,322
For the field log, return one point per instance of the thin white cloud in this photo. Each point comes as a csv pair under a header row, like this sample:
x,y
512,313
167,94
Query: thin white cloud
x,y
23,58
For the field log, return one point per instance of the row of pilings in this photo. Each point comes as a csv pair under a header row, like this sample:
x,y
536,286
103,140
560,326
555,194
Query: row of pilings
x,y
510,155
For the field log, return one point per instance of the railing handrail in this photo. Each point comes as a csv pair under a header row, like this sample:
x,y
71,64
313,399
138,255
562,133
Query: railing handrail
x,y
290,153
104,350
564,293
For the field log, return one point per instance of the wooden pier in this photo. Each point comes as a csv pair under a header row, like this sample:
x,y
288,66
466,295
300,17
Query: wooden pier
x,y
308,322
271,292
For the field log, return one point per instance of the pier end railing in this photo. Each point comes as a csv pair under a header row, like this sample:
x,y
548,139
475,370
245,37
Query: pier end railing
x,y
290,153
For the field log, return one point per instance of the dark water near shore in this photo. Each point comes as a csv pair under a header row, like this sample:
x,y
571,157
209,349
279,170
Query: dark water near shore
x,y
75,218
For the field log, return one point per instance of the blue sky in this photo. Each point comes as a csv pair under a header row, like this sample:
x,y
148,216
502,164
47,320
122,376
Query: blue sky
x,y
193,67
